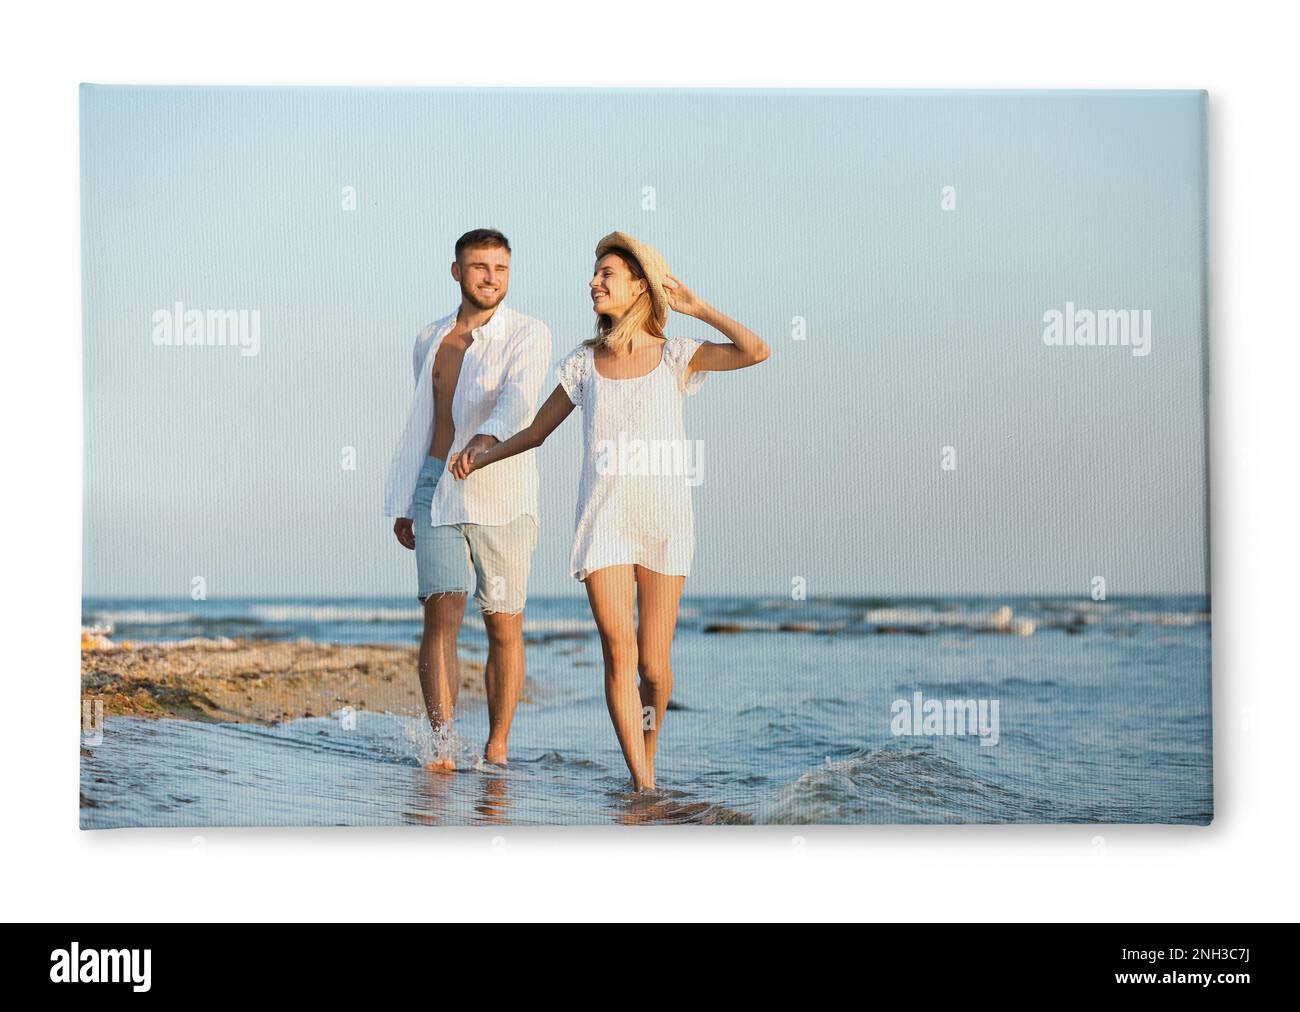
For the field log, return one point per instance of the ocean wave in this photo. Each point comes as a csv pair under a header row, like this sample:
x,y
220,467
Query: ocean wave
x,y
974,685
828,628
1174,618
291,613
553,760
140,617
1002,620
890,785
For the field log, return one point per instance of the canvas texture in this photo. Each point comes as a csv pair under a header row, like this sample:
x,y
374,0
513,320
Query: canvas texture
x,y
761,457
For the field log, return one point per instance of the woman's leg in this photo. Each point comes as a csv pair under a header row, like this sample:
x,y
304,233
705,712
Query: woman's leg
x,y
612,594
657,597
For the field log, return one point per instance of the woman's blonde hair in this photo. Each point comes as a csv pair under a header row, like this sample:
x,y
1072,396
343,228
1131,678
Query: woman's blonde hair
x,y
617,337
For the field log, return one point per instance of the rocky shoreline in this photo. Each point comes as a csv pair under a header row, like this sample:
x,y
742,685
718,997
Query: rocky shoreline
x,y
253,681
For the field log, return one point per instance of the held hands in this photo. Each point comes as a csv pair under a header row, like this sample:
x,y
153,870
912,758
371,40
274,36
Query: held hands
x,y
681,299
405,531
459,467
464,462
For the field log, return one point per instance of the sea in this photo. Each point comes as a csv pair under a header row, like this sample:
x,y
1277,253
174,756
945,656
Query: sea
x,y
794,712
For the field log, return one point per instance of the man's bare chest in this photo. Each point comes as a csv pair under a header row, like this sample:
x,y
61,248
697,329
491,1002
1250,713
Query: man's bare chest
x,y
447,363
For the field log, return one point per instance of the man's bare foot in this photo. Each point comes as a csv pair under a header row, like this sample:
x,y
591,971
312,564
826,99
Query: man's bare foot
x,y
443,764
496,755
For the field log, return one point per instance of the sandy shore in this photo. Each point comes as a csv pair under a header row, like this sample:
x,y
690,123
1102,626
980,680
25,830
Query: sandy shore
x,y
257,682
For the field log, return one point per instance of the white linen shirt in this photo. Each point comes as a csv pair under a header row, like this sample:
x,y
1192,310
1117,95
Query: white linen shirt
x,y
501,375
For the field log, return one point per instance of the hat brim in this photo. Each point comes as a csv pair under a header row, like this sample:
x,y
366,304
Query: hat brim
x,y
652,263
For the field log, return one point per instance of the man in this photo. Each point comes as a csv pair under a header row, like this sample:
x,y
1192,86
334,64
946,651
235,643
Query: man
x,y
478,372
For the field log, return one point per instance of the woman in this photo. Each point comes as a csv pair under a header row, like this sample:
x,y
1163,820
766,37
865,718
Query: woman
x,y
634,536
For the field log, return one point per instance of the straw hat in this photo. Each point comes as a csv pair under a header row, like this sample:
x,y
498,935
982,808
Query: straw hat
x,y
651,261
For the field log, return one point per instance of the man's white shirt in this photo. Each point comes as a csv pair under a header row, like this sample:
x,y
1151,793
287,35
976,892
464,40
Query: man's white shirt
x,y
500,378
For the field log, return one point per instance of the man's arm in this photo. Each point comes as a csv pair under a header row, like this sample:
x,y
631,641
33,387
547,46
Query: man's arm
x,y
421,350
403,528
556,409
519,389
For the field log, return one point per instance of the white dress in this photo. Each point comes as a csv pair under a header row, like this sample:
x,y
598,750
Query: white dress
x,y
634,499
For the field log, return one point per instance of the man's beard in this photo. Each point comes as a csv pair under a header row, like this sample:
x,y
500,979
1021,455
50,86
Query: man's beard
x,y
476,301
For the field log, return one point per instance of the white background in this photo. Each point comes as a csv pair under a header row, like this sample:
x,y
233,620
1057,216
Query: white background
x,y
1242,867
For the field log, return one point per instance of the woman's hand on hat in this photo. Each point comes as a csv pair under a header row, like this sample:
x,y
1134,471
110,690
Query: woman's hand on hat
x,y
681,299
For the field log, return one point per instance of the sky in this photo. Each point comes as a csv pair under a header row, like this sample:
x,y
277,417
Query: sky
x,y
897,250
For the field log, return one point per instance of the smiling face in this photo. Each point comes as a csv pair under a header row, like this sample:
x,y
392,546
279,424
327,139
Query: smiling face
x,y
614,288
484,275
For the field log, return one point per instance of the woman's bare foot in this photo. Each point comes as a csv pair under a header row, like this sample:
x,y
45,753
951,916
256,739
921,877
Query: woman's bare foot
x,y
496,755
443,764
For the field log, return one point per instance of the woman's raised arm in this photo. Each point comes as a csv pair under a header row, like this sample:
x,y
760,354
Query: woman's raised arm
x,y
746,347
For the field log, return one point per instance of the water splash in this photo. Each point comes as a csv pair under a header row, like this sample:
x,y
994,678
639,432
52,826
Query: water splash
x,y
431,745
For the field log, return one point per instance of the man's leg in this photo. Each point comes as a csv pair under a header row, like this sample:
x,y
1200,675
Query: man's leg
x,y
440,664
504,676
444,580
501,557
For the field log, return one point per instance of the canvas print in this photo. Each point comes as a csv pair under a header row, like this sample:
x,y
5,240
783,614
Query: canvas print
x,y
641,457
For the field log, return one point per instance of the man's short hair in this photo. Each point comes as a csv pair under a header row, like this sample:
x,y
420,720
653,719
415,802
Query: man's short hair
x,y
477,237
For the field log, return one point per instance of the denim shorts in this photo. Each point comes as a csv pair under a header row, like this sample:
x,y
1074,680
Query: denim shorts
x,y
492,561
